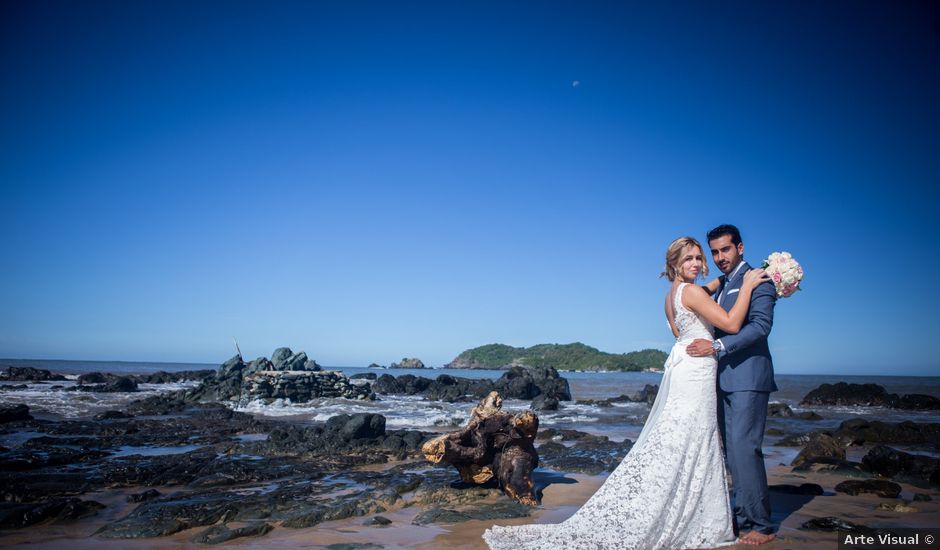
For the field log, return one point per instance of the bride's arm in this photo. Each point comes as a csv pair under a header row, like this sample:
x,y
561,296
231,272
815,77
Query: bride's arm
x,y
711,287
695,299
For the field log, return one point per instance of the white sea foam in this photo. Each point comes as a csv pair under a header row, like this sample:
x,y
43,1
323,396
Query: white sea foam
x,y
399,412
549,419
44,398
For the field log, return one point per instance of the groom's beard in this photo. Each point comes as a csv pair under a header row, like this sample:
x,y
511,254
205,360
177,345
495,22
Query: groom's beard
x,y
726,267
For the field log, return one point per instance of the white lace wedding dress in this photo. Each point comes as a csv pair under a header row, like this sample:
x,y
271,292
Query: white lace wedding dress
x,y
670,490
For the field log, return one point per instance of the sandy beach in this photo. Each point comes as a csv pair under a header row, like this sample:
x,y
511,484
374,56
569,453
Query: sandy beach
x,y
289,476
562,496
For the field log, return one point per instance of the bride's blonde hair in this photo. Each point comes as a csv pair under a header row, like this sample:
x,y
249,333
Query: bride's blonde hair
x,y
674,254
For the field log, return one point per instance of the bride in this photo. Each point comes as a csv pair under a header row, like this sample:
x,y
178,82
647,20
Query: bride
x,y
670,491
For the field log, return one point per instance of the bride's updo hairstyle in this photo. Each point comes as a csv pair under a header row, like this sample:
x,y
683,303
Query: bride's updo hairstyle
x,y
674,256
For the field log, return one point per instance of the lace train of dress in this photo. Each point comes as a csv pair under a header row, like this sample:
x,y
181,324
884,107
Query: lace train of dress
x,y
670,490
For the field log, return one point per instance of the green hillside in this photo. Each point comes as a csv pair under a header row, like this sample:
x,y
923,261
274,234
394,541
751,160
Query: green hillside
x,y
576,356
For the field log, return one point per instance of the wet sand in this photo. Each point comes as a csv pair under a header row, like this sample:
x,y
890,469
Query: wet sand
x,y
791,511
563,494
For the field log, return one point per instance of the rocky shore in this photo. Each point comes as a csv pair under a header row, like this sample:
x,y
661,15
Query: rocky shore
x,y
216,474
868,395
516,383
185,462
183,467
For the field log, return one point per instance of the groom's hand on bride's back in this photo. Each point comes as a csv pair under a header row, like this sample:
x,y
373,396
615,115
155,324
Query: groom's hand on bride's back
x,y
700,347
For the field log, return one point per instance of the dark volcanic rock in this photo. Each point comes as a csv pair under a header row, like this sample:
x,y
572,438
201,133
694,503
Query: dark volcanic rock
x,y
780,410
301,386
120,384
359,426
528,382
364,376
388,384
447,501
299,476
556,434
795,440
408,363
28,374
342,432
112,415
918,402
297,361
285,359
878,487
149,494
14,515
235,365
161,404
377,520
831,523
544,403
221,533
835,466
159,518
113,384
844,394
910,468
516,383
279,358
95,378
14,413
502,509
646,395
225,385
591,456
290,376
162,377
819,445
859,431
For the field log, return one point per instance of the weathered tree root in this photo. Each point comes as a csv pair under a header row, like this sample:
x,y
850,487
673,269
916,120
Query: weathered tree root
x,y
492,444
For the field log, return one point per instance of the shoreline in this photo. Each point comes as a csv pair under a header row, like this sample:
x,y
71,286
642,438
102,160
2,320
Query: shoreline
x,y
563,495
236,464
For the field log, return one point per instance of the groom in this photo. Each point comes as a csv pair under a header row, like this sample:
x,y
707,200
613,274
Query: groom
x,y
745,380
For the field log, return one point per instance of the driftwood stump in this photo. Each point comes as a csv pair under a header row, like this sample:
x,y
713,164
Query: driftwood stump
x,y
494,443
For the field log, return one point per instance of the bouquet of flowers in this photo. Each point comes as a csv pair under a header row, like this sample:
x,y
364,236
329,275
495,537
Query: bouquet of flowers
x,y
785,272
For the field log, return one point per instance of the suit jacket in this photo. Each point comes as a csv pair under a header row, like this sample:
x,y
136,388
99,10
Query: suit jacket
x,y
746,364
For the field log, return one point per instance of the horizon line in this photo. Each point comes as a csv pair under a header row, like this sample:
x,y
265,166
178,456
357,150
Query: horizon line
x,y
124,361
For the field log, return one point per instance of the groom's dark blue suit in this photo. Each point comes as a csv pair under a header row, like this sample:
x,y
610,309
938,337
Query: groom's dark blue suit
x,y
745,380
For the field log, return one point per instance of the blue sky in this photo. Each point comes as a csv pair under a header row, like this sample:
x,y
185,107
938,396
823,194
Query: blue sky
x,y
369,181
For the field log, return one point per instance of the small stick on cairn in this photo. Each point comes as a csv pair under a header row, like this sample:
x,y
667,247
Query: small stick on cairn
x,y
492,444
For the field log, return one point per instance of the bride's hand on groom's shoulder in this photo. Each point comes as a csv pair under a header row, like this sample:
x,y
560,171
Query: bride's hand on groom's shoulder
x,y
755,277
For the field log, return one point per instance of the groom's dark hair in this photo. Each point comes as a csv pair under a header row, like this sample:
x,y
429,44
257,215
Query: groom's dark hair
x,y
726,229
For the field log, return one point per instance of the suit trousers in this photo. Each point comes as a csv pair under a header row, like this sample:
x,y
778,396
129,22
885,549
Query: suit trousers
x,y
742,416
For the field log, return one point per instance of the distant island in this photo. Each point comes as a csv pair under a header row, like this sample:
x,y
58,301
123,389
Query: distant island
x,y
576,356
408,363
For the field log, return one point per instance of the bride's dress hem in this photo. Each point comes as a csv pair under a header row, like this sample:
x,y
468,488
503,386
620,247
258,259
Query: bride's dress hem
x,y
670,491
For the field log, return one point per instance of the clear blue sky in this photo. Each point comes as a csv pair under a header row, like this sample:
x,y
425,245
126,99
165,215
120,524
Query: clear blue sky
x,y
369,181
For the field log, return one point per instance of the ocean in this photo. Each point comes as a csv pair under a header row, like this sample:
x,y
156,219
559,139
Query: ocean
x,y
618,422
